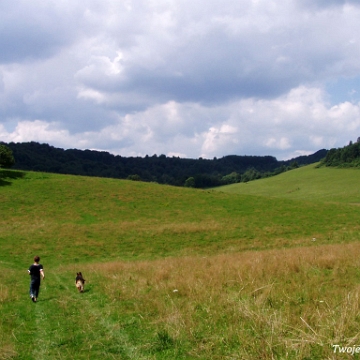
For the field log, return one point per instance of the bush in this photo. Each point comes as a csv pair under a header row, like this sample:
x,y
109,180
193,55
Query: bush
x,y
6,157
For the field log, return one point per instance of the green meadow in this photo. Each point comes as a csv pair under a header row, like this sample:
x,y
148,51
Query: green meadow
x,y
268,269
310,183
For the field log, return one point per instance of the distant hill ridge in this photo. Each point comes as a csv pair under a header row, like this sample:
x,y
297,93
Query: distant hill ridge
x,y
33,156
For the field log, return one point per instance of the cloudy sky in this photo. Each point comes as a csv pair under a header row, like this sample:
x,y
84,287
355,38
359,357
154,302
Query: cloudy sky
x,y
188,78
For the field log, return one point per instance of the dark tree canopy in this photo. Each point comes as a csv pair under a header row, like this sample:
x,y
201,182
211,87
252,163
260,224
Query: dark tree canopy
x,y
199,173
347,156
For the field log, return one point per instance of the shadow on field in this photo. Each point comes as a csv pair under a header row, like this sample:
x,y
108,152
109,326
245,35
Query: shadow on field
x,y
10,174
4,183
46,299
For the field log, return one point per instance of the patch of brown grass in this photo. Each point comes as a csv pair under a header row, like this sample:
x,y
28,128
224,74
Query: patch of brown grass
x,y
4,293
265,303
7,352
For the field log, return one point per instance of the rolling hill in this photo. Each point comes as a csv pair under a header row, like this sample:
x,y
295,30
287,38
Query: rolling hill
x,y
308,183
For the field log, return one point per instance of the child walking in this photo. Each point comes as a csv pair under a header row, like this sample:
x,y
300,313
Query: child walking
x,y
36,271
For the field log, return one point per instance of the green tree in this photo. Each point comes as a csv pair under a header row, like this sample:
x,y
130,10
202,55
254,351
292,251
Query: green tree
x,y
232,178
135,177
6,157
190,182
250,174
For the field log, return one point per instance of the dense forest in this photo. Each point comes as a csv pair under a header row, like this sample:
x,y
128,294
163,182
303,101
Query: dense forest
x,y
347,156
200,173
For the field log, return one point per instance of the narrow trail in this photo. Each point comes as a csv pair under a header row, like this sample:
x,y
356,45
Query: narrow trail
x,y
67,324
46,328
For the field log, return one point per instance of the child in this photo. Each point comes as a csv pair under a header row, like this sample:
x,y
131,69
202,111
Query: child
x,y
36,271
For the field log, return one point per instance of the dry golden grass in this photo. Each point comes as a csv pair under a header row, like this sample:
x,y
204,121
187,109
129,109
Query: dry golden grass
x,y
4,293
7,352
265,304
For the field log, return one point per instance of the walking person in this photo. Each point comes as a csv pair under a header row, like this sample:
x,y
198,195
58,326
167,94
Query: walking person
x,y
36,271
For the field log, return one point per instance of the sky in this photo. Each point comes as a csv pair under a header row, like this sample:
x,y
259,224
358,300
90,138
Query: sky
x,y
181,78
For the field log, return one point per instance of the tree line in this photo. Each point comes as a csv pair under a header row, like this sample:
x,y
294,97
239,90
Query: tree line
x,y
347,156
199,173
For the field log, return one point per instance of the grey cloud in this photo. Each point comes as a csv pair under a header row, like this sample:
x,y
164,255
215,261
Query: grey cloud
x,y
326,3
33,30
215,65
20,45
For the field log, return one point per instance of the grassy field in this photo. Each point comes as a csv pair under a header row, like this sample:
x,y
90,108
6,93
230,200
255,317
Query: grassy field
x,y
306,183
264,270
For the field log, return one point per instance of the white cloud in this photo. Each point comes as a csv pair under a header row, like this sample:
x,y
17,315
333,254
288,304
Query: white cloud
x,y
297,123
35,131
216,138
278,143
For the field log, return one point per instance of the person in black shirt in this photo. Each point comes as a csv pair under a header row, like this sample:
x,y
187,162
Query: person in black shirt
x,y
36,271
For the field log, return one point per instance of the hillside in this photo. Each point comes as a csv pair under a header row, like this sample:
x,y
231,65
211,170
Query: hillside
x,y
309,183
205,173
132,220
137,220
